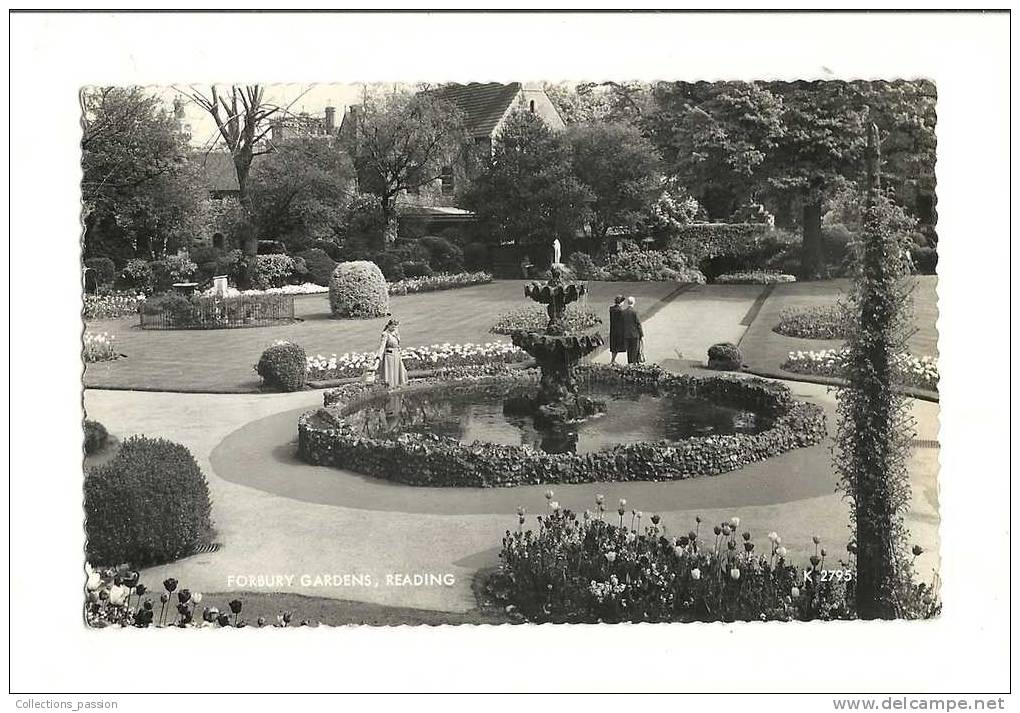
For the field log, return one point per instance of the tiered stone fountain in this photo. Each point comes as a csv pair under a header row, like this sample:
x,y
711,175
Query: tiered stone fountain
x,y
557,354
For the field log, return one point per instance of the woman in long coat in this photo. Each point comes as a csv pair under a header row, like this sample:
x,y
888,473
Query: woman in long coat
x,y
390,369
617,343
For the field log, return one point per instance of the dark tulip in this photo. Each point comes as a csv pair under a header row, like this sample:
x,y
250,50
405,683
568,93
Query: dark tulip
x,y
262,621
917,550
725,529
748,546
305,622
815,559
287,616
747,537
182,608
184,595
170,584
235,606
655,519
148,604
141,589
130,578
223,619
697,519
104,594
732,545
823,552
620,511
717,530
164,597
683,541
692,535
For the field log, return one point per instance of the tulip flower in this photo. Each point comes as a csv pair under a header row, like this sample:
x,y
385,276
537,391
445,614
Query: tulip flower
x,y
747,537
817,540
223,619
679,551
235,606
611,556
734,574
170,584
261,621
695,574
656,519
917,550
140,589
520,510
794,592
93,582
773,536
196,597
184,596
623,502
717,530
164,597
554,505
549,495
600,498
815,559
118,594
781,552
735,522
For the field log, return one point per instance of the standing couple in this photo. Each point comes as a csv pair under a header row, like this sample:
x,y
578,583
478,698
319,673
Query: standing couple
x,y
625,332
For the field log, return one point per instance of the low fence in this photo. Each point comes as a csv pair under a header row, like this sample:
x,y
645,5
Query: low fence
x,y
178,312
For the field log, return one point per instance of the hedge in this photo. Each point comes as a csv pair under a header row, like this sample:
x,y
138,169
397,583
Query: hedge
x,y
325,437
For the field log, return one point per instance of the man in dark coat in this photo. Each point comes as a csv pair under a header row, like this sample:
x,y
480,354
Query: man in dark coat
x,y
616,341
632,332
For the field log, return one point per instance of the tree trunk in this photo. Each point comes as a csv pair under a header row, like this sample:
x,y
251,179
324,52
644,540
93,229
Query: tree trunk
x,y
249,242
811,259
390,225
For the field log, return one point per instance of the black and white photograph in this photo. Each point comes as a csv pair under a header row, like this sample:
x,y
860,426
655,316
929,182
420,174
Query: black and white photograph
x,y
388,354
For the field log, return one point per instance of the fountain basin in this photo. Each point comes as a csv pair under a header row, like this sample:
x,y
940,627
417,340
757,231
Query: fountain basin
x,y
649,440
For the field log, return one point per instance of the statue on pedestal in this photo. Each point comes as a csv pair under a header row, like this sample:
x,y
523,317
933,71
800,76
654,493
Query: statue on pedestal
x,y
556,251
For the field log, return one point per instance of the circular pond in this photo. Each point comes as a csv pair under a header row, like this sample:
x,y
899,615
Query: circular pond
x,y
633,415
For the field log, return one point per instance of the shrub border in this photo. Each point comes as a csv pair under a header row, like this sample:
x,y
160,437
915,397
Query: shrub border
x,y
430,460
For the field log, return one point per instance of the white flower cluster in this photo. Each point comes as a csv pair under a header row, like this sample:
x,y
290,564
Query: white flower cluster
x,y
607,590
98,347
441,281
914,371
755,277
352,364
307,288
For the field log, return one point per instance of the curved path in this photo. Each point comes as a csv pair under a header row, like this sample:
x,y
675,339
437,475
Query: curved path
x,y
286,527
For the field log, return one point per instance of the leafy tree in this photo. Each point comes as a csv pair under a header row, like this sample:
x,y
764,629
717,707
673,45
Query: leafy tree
x,y
300,190
403,141
588,102
243,120
874,426
715,137
140,195
621,169
527,193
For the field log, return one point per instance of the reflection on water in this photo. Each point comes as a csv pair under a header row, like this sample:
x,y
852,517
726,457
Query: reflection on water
x,y
477,415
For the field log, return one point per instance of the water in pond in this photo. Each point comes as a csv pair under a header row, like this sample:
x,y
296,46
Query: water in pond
x,y
478,416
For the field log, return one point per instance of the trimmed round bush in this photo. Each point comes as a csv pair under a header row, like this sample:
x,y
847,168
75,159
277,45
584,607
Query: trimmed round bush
x,y
320,265
283,366
96,437
148,505
725,357
358,290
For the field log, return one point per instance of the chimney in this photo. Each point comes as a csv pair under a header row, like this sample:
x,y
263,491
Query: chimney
x,y
330,119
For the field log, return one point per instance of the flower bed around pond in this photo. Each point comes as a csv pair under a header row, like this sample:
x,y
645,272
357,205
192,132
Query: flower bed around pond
x,y
535,319
920,372
327,437
436,356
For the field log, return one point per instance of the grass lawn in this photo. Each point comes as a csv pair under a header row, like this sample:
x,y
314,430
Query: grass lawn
x,y
765,351
221,360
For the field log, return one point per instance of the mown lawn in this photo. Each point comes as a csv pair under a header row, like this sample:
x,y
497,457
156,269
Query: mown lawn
x,y
221,360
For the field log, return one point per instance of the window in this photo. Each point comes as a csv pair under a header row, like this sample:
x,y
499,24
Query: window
x,y
447,180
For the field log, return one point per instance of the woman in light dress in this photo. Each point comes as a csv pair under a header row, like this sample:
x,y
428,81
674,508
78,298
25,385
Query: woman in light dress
x,y
390,368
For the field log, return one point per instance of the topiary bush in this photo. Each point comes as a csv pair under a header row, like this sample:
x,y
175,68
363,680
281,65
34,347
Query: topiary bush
x,y
725,357
283,367
271,271
148,505
319,264
358,289
96,436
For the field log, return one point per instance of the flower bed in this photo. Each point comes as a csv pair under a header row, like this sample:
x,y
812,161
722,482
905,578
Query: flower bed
x,y
821,322
755,277
98,347
118,597
327,437
441,281
920,372
175,311
436,356
534,318
648,266
621,567
305,288
112,306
